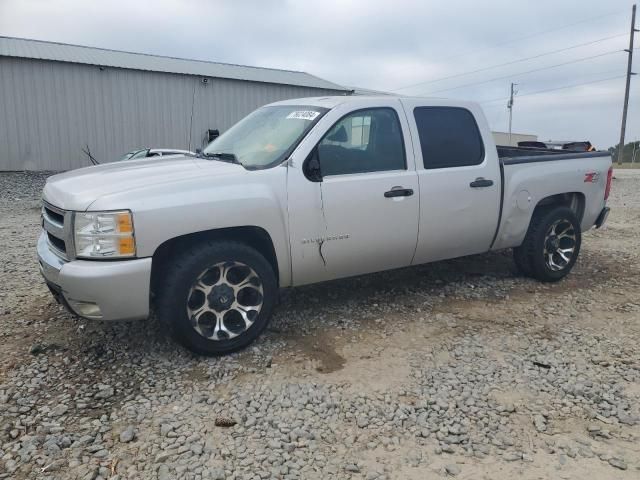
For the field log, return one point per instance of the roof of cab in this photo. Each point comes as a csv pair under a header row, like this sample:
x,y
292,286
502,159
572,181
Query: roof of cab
x,y
326,102
334,101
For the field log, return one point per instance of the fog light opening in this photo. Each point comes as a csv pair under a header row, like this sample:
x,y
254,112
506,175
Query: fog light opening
x,y
85,309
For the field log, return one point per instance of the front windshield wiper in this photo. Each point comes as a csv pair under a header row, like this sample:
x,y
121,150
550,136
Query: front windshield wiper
x,y
225,157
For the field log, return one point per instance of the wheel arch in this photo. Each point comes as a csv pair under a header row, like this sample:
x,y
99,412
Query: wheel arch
x,y
515,225
536,257
252,236
573,200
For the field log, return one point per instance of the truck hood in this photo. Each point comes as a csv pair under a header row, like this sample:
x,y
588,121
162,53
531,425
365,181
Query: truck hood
x,y
78,189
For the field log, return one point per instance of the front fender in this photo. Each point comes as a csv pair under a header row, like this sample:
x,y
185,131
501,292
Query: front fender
x,y
257,198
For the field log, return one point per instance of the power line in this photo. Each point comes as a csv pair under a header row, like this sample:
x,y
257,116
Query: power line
x,y
571,86
537,34
484,69
502,99
589,95
537,92
527,72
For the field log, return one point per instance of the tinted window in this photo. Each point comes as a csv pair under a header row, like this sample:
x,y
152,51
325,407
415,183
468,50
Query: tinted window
x,y
363,141
449,137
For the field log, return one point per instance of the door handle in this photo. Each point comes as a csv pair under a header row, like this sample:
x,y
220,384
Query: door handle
x,y
481,182
398,192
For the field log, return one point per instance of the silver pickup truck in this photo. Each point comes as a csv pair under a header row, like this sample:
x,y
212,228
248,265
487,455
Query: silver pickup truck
x,y
304,191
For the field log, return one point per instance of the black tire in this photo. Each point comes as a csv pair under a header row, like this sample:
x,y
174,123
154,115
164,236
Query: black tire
x,y
521,259
533,256
174,291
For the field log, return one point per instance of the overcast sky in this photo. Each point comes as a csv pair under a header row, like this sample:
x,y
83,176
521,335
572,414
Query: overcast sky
x,y
387,45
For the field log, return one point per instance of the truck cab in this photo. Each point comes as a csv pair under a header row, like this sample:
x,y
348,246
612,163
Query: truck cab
x,y
386,185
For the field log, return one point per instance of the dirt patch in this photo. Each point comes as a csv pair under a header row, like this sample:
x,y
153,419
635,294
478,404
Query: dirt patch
x,y
16,345
320,349
198,373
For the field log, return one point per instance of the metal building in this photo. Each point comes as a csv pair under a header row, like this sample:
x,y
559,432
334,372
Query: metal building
x,y
57,100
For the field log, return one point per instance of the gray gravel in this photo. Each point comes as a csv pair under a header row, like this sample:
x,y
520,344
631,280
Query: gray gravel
x,y
460,368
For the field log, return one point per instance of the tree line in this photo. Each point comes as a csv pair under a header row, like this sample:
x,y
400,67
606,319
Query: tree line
x,y
627,152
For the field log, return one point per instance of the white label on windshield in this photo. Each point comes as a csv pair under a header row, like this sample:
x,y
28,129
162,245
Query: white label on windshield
x,y
303,115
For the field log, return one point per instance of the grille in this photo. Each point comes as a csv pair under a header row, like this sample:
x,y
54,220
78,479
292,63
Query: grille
x,y
54,216
57,243
57,223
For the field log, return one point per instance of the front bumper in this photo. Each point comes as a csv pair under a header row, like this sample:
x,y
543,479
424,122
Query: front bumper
x,y
120,289
602,217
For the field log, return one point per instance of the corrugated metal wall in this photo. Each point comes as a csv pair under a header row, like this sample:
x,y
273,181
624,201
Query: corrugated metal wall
x,y
50,111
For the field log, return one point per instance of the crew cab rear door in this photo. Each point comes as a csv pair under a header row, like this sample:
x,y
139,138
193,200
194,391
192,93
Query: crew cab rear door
x,y
459,177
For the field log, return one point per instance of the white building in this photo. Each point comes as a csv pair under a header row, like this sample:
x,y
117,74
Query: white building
x,y
502,138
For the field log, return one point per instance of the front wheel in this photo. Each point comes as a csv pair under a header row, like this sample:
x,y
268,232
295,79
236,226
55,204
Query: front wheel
x,y
217,297
552,244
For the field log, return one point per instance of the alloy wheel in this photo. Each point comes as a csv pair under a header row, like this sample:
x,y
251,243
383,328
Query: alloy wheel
x,y
559,245
225,300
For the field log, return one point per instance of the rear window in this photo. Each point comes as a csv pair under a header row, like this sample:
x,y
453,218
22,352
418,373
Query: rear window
x,y
449,137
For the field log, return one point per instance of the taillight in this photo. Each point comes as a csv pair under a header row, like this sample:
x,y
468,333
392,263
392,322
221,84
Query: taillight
x,y
607,189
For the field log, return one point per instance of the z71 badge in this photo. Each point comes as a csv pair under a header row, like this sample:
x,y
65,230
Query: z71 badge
x,y
591,177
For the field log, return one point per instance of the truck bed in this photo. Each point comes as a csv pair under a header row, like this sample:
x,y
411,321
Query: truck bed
x,y
514,155
524,182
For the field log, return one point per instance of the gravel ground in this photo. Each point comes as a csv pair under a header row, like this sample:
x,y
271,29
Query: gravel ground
x,y
459,368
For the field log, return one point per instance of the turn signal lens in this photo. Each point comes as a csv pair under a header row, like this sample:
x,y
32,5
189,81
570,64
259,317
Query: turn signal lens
x,y
125,225
127,246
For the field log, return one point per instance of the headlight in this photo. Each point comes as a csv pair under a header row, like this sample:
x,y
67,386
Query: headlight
x,y
104,234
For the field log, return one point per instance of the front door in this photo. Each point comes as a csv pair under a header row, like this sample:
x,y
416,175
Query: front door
x,y
368,198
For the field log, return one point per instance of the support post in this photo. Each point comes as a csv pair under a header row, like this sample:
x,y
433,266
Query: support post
x,y
628,85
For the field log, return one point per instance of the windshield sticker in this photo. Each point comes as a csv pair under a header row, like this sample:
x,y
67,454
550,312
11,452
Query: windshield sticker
x,y
303,115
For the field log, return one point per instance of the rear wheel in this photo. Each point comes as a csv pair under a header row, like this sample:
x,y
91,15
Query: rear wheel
x,y
218,297
552,244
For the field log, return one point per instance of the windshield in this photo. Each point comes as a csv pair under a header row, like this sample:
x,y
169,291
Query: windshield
x,y
134,154
265,137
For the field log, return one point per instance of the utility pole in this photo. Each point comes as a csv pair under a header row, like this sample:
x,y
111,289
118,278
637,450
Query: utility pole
x,y
510,107
626,92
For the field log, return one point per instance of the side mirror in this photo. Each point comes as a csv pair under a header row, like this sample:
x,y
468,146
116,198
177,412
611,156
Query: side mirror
x,y
212,135
311,167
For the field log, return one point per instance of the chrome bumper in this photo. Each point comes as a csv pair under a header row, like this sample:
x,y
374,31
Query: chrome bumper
x,y
119,288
